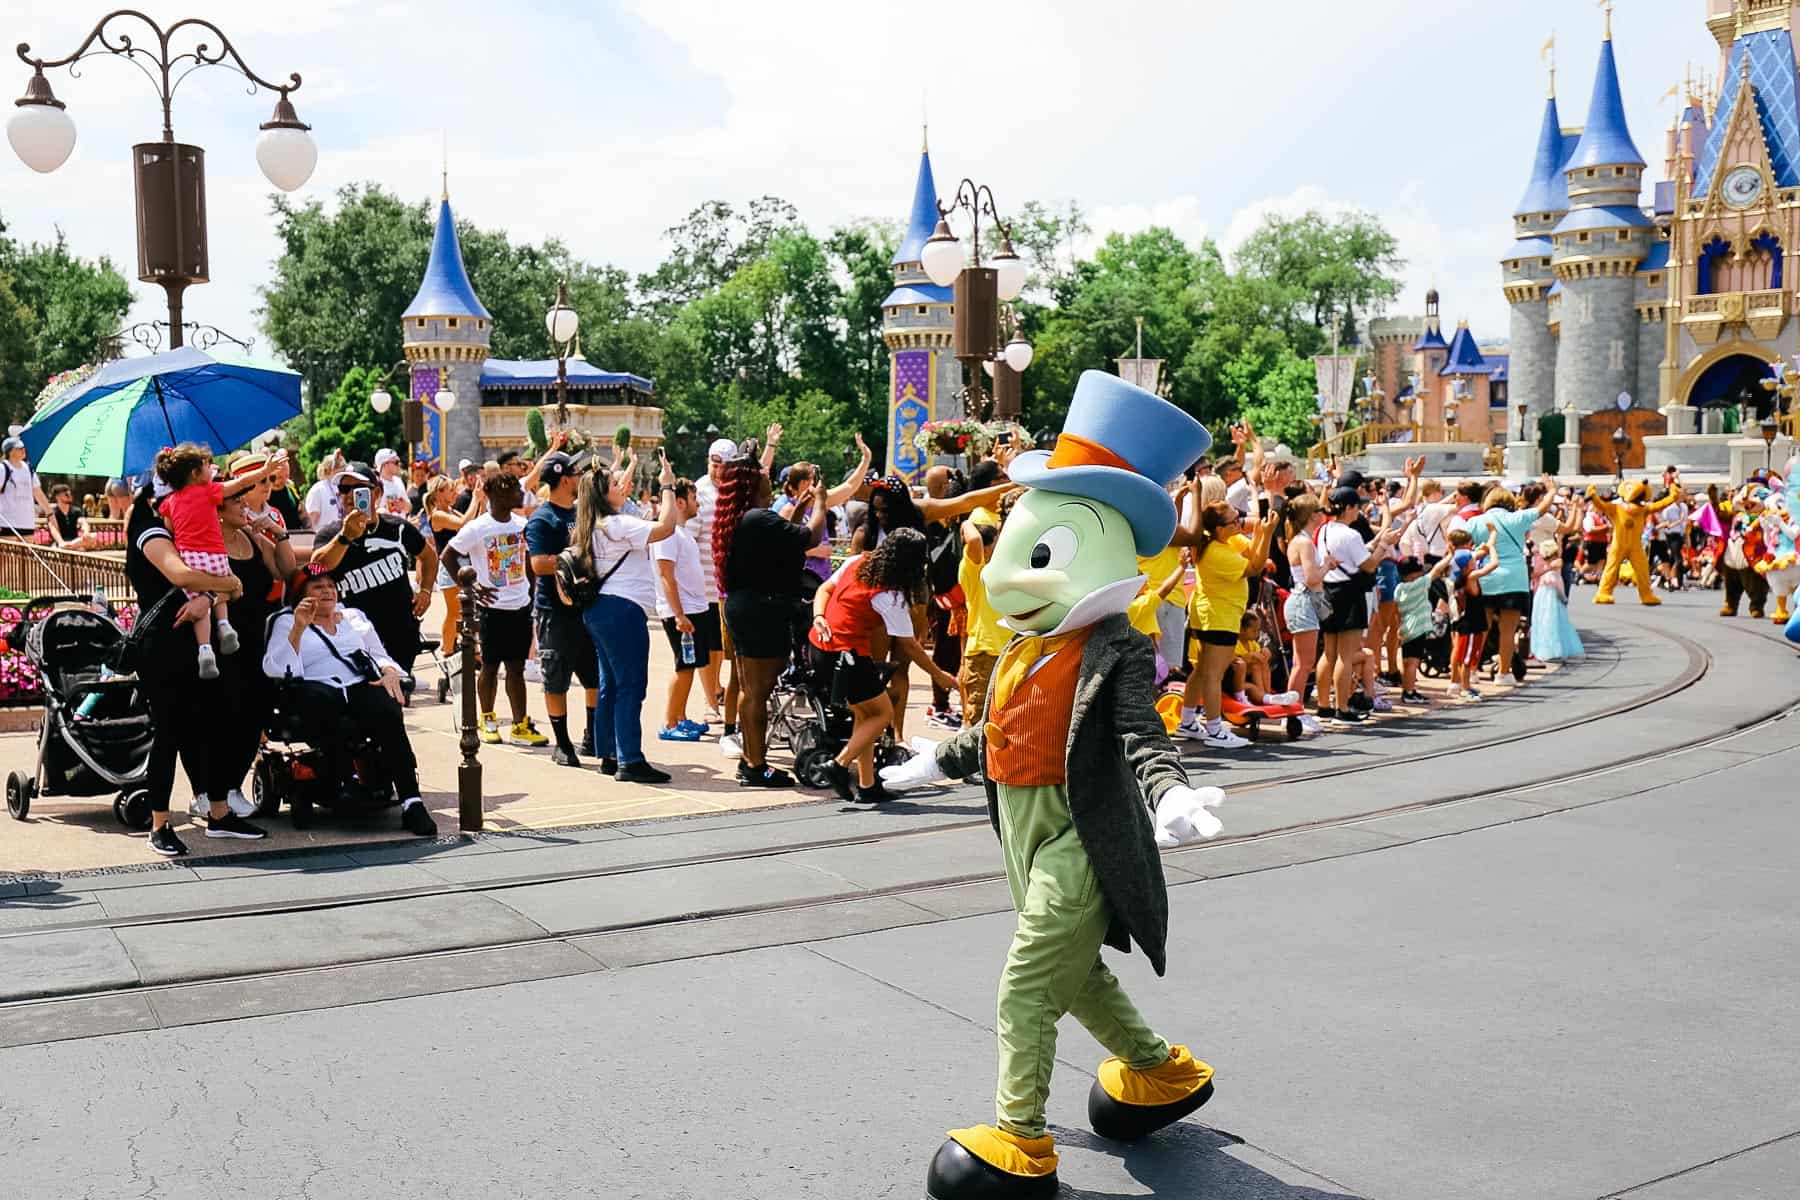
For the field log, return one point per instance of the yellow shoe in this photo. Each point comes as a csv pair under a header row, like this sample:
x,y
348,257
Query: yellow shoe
x,y
985,1161
526,734
1126,1104
1781,614
490,729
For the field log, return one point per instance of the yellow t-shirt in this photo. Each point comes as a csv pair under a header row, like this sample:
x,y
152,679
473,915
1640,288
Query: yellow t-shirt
x,y
1247,650
1143,611
983,634
1221,593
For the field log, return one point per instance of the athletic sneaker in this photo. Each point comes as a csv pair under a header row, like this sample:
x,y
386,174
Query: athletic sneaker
x,y
1221,738
490,729
1472,694
228,638
1413,698
678,733
200,807
942,720
609,766
415,818
838,775
233,826
1360,703
764,776
1309,725
1455,694
1392,678
526,734
1383,704
164,842
700,728
874,794
565,758
1281,699
1351,716
1191,729
209,663
641,772
533,672
1327,714
730,746
240,804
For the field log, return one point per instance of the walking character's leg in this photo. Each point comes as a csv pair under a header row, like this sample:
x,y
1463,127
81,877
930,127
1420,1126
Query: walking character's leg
x,y
1757,588
1609,577
1734,591
1147,1083
1640,574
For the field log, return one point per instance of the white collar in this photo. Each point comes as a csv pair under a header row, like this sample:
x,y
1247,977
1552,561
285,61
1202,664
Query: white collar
x,y
1091,609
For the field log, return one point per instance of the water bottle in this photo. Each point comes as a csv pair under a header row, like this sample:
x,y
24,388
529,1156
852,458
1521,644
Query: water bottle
x,y
99,601
688,656
92,699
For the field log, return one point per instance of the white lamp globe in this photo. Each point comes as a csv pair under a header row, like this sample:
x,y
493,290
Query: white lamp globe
x,y
42,135
381,400
1018,353
445,400
1011,271
287,157
562,324
942,256
987,364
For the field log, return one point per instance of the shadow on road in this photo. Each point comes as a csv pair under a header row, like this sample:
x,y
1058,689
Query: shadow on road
x,y
1185,1160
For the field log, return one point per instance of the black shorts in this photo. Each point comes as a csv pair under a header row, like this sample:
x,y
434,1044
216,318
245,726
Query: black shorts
x,y
1518,602
1667,548
855,678
761,626
505,634
565,650
706,637
1217,637
1349,602
1594,553
1414,648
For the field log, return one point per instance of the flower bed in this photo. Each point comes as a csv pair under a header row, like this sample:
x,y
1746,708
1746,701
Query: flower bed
x,y
963,436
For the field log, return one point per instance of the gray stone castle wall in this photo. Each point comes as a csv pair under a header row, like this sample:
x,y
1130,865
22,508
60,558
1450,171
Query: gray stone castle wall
x,y
1598,355
1531,369
1649,364
460,351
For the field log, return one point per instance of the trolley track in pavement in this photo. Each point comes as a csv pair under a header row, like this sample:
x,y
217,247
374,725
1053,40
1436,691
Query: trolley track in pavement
x,y
1698,662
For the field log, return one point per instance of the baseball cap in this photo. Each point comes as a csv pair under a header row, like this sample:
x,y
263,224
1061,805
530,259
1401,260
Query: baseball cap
x,y
724,449
13,443
555,468
355,472
463,467
1350,479
384,456
1344,495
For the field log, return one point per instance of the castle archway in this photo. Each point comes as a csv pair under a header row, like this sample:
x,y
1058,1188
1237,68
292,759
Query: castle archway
x,y
1726,376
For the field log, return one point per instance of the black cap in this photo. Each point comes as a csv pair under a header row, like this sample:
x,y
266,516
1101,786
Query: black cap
x,y
555,468
1344,495
1351,479
357,472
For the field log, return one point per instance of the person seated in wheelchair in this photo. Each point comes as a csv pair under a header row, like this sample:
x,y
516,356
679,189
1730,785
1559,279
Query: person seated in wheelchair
x,y
874,590
344,684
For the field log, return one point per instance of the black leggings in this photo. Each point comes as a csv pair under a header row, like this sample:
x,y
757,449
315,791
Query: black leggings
x,y
946,650
332,719
198,723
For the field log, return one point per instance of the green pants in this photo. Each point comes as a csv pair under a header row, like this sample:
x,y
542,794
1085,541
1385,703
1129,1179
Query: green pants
x,y
1054,964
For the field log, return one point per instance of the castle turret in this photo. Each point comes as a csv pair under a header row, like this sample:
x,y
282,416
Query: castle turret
x,y
924,381
1597,246
446,330
1526,268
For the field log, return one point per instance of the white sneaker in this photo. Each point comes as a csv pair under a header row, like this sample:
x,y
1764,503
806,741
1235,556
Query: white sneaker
x,y
1223,739
1455,694
730,746
533,672
1309,725
1193,731
199,806
240,804
1282,699
228,639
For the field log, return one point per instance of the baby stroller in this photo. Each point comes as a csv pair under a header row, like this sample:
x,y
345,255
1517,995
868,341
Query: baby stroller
x,y
811,721
292,769
95,738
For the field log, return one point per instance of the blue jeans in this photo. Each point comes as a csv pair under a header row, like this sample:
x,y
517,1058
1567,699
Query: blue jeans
x,y
621,635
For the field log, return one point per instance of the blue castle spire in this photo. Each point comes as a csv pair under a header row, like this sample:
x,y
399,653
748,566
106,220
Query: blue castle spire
x,y
1465,356
445,291
1605,141
1548,191
924,216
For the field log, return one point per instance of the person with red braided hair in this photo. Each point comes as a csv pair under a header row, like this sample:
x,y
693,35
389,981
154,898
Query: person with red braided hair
x,y
761,557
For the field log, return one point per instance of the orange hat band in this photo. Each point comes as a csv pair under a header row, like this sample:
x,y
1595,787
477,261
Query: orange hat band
x,y
1075,451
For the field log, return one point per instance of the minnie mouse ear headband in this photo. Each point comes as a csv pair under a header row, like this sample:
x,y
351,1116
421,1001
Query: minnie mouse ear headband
x,y
305,575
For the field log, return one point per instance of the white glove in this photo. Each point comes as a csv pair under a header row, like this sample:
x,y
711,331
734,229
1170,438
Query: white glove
x,y
1181,815
922,768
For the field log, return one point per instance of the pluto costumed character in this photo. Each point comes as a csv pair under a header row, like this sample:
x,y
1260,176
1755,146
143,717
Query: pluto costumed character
x,y
1083,785
1628,514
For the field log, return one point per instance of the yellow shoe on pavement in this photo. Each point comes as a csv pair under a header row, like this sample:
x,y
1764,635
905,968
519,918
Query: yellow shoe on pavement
x,y
490,729
526,734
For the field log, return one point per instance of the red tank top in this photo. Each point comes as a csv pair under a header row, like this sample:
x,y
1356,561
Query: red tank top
x,y
850,612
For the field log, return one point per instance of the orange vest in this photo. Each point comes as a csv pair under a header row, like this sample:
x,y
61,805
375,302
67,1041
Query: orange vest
x,y
1028,735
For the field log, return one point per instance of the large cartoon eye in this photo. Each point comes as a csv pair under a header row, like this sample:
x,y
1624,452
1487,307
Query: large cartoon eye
x,y
1055,549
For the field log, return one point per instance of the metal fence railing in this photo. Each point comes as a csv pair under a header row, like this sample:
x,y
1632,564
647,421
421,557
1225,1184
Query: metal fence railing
x,y
40,570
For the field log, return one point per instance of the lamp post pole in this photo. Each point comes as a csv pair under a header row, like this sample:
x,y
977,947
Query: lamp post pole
x,y
170,176
412,413
562,324
981,297
1620,439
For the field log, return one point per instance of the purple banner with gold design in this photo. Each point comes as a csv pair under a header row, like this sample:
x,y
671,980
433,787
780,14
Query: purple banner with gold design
x,y
908,410
425,383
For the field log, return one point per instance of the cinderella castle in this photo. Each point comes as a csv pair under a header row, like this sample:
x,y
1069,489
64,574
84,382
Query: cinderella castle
x,y
1640,335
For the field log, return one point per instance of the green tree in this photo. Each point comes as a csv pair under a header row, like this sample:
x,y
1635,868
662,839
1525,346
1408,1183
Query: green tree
x,y
1345,265
1283,404
56,309
863,254
344,420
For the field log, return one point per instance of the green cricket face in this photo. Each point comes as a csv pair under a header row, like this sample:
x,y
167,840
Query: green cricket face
x,y
1053,550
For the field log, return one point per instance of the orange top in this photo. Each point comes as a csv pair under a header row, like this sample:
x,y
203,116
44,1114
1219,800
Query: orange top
x,y
1028,733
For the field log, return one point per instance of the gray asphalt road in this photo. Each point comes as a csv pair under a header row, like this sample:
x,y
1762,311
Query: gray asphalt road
x,y
1588,1003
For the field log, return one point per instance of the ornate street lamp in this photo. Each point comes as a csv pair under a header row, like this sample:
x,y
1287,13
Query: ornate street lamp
x,y
412,412
1768,428
170,176
1524,411
981,300
562,324
1620,440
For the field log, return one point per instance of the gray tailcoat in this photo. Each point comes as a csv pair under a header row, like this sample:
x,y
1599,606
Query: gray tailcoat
x,y
1120,762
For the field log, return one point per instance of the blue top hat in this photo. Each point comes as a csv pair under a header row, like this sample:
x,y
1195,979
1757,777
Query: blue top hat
x,y
1122,446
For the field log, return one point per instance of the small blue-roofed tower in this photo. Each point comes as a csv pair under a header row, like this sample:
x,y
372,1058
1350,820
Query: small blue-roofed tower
x,y
1526,271
1596,248
446,330
924,381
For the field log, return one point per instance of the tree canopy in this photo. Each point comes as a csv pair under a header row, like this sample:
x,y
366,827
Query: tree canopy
x,y
55,310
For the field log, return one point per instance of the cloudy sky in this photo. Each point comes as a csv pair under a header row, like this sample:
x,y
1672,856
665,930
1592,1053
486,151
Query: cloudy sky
x,y
604,122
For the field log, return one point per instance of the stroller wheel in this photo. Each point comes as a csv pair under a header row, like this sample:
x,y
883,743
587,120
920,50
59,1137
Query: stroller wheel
x,y
810,768
18,796
133,809
263,789
1295,729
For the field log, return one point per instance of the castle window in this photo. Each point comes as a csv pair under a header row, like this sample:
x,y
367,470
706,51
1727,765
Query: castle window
x,y
923,310
1582,236
1590,173
452,322
1655,280
1618,170
421,323
1627,236
1546,262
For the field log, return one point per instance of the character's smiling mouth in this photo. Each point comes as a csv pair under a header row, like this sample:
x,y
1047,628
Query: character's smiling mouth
x,y
1028,614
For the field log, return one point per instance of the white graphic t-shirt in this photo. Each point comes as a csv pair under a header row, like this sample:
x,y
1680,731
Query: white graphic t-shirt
x,y
496,549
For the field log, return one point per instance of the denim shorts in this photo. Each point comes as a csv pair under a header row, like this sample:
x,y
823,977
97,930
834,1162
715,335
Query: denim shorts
x,y
1387,579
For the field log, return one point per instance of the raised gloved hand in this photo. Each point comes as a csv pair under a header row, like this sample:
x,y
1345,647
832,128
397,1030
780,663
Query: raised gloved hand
x,y
1182,816
922,768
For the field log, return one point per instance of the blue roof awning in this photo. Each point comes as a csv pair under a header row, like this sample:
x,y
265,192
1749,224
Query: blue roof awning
x,y
918,293
1611,216
1529,247
1657,259
541,373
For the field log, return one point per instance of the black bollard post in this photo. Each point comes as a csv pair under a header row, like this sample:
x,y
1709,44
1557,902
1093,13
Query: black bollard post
x,y
468,774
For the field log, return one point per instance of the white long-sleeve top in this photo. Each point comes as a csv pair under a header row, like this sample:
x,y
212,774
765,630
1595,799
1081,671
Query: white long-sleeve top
x,y
313,661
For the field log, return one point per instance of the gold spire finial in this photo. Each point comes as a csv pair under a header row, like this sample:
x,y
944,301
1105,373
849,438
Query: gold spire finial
x,y
1547,52
1607,7
446,164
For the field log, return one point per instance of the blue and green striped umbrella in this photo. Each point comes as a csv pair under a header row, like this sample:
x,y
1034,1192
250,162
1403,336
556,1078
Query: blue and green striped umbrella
x,y
114,423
